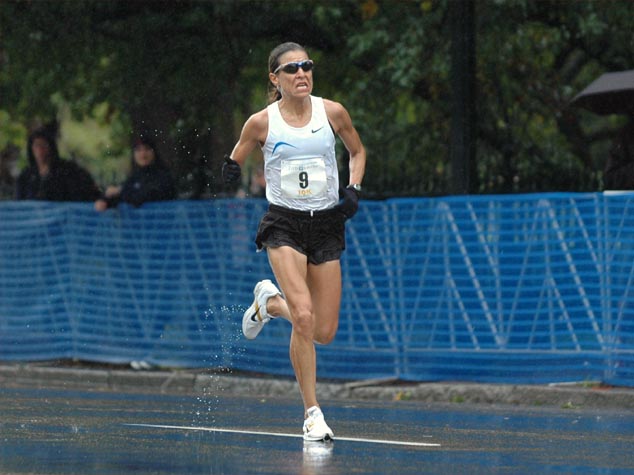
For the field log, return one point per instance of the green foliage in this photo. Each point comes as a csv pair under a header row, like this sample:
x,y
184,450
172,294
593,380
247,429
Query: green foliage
x,y
12,133
530,65
399,97
194,71
99,137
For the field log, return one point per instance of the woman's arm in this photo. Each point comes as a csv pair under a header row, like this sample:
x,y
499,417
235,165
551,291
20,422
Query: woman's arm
x,y
342,125
253,134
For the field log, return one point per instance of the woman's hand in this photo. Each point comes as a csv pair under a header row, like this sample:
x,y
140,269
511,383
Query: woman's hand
x,y
101,205
349,202
231,170
112,191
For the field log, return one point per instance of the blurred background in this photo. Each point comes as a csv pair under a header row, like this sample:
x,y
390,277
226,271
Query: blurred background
x,y
450,97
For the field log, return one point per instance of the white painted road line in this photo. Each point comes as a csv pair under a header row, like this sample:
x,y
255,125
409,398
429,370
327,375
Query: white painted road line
x,y
282,434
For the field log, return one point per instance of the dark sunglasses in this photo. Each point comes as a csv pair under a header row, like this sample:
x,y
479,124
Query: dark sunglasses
x,y
292,68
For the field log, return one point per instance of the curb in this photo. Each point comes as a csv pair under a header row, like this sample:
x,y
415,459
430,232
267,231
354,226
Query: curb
x,y
190,382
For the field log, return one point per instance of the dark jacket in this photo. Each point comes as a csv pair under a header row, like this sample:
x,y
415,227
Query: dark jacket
x,y
66,181
619,169
151,183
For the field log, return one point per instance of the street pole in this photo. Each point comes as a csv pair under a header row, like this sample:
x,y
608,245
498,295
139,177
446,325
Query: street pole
x,y
463,85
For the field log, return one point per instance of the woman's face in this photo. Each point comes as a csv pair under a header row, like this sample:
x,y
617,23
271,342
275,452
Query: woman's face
x,y
41,151
298,83
143,155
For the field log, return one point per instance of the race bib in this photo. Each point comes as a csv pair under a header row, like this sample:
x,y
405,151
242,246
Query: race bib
x,y
304,178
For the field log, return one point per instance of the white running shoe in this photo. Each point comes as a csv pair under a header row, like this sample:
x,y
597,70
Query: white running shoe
x,y
256,316
315,427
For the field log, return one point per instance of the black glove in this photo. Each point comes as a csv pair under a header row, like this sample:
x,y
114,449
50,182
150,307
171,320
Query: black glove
x,y
348,202
231,171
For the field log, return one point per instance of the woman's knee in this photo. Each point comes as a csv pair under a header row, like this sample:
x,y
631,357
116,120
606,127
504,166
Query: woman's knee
x,y
326,333
304,322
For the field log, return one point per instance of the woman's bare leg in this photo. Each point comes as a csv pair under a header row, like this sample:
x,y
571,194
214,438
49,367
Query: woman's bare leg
x,y
312,298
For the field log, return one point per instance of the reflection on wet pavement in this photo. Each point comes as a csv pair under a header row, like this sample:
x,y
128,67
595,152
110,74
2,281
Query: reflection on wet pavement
x,y
81,432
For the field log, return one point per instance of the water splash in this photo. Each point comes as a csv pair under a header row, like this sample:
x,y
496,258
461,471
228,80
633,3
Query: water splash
x,y
222,327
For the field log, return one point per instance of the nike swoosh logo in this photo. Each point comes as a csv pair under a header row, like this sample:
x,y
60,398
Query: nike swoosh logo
x,y
256,316
317,130
279,144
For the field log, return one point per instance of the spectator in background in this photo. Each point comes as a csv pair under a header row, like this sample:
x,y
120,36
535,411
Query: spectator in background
x,y
51,178
149,179
619,169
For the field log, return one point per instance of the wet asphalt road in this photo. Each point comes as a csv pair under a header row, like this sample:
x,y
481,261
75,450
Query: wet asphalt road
x,y
45,431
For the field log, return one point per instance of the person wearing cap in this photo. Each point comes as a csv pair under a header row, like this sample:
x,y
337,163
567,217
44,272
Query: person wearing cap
x,y
149,179
51,178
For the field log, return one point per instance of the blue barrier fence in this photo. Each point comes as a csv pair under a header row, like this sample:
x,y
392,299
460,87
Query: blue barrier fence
x,y
515,288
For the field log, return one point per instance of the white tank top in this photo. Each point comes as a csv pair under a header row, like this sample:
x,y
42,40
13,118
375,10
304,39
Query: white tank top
x,y
300,165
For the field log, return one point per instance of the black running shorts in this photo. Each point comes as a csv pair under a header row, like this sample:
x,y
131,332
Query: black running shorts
x,y
321,237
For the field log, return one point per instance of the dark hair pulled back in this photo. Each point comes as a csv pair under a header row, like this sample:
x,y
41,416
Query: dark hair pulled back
x,y
274,61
